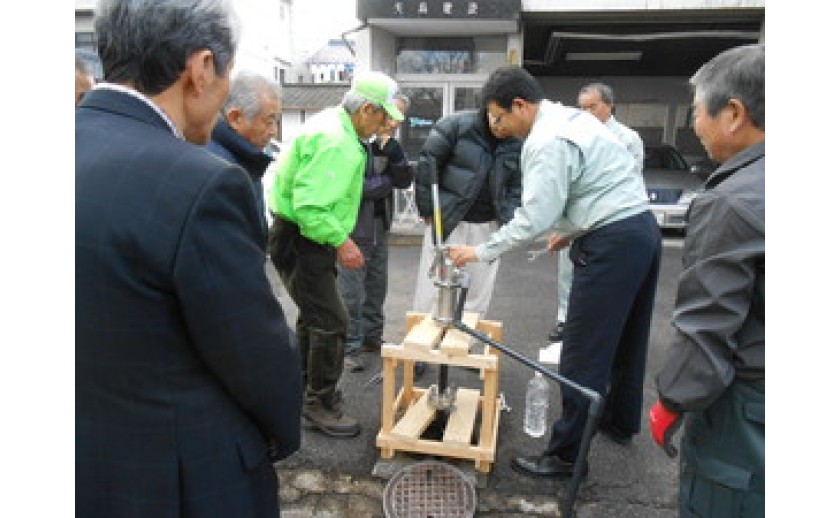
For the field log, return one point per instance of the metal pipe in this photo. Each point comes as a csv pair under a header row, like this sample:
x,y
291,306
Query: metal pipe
x,y
595,409
437,218
589,393
447,290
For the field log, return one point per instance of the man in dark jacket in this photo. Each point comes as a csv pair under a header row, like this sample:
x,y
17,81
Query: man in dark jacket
x,y
186,384
248,123
479,185
713,376
363,289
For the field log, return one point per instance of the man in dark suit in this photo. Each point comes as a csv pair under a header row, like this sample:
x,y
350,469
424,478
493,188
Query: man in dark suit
x,y
186,384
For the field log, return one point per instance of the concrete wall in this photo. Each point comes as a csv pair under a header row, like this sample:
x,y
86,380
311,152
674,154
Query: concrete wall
x,y
376,50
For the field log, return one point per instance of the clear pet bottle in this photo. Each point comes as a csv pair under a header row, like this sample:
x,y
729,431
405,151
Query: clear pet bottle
x,y
536,406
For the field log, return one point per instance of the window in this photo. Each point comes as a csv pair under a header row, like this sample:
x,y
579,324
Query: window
x,y
450,55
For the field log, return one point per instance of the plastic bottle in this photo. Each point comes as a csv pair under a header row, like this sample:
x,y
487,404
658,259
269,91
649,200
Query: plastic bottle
x,y
536,406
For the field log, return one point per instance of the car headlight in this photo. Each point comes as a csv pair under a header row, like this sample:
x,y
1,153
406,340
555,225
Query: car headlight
x,y
687,197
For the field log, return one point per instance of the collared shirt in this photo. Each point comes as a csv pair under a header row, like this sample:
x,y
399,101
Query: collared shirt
x,y
138,95
629,138
575,173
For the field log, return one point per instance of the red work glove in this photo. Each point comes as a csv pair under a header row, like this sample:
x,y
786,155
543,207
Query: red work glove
x,y
663,425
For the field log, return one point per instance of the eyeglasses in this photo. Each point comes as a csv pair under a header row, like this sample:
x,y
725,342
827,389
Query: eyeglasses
x,y
495,120
380,108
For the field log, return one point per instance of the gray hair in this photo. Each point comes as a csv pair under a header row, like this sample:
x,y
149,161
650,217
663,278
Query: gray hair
x,y
737,73
246,91
147,42
606,92
351,102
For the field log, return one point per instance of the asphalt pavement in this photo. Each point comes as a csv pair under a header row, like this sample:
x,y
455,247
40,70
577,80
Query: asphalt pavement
x,y
345,477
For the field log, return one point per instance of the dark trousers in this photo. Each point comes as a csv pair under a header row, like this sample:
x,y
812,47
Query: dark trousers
x,y
607,326
308,272
722,456
364,289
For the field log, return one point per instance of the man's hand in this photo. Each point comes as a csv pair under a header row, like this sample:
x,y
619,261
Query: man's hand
x,y
462,254
555,242
349,255
664,424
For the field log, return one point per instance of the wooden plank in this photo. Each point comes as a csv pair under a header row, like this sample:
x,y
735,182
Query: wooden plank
x,y
478,361
459,427
457,343
424,335
412,318
430,447
407,394
492,328
389,374
490,403
416,419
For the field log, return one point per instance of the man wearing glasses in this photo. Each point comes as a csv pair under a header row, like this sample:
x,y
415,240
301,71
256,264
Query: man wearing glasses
x,y
246,126
599,100
315,200
577,174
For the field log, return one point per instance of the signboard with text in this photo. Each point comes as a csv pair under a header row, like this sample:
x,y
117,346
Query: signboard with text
x,y
454,9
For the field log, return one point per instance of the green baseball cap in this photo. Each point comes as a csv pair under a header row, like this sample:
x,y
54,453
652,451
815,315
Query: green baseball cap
x,y
378,88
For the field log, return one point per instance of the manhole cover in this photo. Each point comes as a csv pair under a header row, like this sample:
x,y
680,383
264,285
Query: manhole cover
x,y
429,489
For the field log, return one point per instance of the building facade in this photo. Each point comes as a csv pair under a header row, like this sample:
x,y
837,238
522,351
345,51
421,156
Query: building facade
x,y
332,63
441,52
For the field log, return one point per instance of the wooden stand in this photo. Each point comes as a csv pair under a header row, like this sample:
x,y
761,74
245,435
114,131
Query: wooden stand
x,y
406,415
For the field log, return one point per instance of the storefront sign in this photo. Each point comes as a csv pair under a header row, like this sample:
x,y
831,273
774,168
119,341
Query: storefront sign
x,y
454,9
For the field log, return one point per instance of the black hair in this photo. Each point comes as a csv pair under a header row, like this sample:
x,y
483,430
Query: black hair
x,y
508,83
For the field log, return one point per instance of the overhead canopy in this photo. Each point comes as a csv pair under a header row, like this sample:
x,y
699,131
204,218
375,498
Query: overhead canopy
x,y
640,43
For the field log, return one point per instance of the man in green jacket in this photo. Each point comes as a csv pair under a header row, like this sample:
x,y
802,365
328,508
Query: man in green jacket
x,y
315,200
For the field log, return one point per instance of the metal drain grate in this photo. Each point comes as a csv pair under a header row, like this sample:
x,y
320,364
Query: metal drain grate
x,y
429,489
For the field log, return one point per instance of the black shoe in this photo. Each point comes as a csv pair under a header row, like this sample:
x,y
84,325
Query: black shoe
x,y
615,435
546,466
557,334
419,369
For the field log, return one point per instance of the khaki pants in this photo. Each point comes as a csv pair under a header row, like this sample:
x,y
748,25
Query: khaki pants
x,y
482,275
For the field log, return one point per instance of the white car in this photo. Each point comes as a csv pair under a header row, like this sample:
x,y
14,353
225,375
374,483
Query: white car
x,y
671,185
